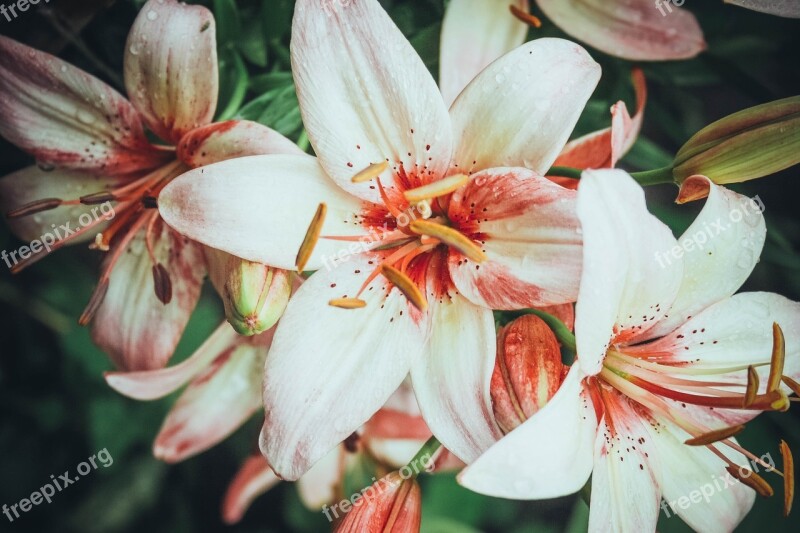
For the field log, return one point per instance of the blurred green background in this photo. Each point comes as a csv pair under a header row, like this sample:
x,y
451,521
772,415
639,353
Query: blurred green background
x,y
56,410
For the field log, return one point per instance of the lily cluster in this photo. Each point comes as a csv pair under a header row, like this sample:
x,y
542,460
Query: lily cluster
x,y
460,199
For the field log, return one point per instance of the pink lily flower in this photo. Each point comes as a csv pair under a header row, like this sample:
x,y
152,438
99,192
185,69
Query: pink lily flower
x,y
488,230
669,362
391,438
90,146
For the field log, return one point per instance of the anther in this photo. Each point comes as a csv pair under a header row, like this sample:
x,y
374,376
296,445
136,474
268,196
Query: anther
x,y
370,173
347,303
450,237
38,206
715,436
311,238
525,17
406,286
437,188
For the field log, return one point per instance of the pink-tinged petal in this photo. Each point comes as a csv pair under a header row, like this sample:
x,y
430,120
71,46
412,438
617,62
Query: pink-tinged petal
x,y
391,424
781,8
634,29
453,392
67,118
393,503
152,384
318,486
230,139
475,33
731,334
253,479
365,95
32,183
520,110
259,208
624,290
215,404
171,67
528,229
685,471
625,480
330,369
720,250
132,325
548,456
602,149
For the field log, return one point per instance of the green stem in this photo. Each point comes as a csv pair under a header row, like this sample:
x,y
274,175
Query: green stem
x,y
647,177
424,455
561,331
654,177
565,172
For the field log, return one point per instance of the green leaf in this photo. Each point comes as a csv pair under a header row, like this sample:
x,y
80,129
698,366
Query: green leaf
x,y
229,26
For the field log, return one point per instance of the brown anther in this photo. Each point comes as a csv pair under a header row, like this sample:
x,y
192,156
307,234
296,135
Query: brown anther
x,y
788,478
450,237
162,283
406,286
752,386
351,443
311,238
778,357
715,436
751,479
347,303
98,198
94,303
525,17
792,384
32,208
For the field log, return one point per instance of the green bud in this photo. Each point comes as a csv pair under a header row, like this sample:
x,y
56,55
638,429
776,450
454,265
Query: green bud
x,y
752,143
254,295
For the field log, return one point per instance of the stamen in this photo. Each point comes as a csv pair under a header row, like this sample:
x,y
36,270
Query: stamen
x,y
406,286
450,237
782,403
792,384
788,478
753,480
347,303
162,283
393,209
370,173
715,436
752,386
38,206
98,198
525,17
94,302
311,238
436,189
778,357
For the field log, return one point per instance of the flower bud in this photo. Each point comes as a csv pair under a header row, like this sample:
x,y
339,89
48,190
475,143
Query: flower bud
x,y
752,143
392,503
254,295
527,372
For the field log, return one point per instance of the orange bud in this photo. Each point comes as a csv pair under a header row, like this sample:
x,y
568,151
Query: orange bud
x,y
527,372
391,504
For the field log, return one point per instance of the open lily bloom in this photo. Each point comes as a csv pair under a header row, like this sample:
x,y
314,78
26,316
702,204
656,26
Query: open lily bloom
x,y
223,392
390,438
91,148
452,211
664,354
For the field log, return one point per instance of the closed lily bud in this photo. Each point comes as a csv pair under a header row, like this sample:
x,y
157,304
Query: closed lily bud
x,y
752,143
393,503
254,295
527,371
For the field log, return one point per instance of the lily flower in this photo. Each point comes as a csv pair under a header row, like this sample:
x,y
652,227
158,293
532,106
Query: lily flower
x,y
668,368
452,210
91,148
223,391
390,439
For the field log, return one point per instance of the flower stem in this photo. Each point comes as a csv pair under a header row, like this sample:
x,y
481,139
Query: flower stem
x,y
654,177
565,172
561,331
424,456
